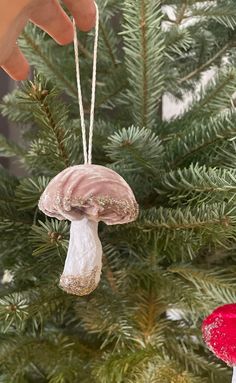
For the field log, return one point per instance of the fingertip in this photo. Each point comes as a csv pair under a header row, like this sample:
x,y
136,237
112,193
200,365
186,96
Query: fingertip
x,y
53,20
66,36
22,71
21,74
84,13
16,66
88,22
17,76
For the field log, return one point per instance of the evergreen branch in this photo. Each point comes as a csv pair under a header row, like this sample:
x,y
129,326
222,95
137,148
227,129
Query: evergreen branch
x,y
220,87
177,41
150,308
122,86
28,192
223,13
84,50
190,302
219,215
217,97
13,107
116,367
189,229
193,361
214,103
215,283
50,352
202,136
198,183
13,311
195,151
59,134
51,65
8,205
113,326
34,307
181,14
50,237
51,115
163,371
144,58
107,43
9,225
139,148
226,155
144,54
9,148
205,65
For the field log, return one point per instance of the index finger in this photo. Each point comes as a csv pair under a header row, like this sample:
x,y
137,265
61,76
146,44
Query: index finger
x,y
84,13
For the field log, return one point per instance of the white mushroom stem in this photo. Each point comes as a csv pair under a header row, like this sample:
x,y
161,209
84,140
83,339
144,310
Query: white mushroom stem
x,y
83,264
234,375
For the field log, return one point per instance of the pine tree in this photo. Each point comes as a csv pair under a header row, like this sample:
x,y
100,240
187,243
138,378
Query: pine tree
x,y
163,273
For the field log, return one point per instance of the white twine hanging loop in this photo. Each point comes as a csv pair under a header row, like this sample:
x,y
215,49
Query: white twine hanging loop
x,y
87,151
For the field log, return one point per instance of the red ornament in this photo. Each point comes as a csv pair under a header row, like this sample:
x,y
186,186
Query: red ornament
x,y
219,333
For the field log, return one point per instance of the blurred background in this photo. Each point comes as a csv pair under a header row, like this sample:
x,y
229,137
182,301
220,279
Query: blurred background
x,y
7,128
5,85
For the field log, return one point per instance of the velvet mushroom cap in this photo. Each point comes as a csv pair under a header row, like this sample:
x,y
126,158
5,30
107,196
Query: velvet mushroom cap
x,y
93,191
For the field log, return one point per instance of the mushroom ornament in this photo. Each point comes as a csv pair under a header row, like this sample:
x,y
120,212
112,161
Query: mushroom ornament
x,y
85,195
219,333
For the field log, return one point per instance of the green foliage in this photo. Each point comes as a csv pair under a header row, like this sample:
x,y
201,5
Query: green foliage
x,y
140,149
198,184
163,273
223,13
217,284
9,149
201,142
29,191
143,47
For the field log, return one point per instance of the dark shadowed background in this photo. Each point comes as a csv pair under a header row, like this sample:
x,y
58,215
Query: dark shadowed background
x,y
6,128
5,85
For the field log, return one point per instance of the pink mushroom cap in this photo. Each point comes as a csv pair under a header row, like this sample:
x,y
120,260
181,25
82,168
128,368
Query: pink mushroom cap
x,y
89,190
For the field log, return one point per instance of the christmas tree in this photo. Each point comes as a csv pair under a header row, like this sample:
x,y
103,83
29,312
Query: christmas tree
x,y
163,273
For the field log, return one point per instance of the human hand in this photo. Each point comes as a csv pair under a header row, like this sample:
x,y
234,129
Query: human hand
x,y
49,16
